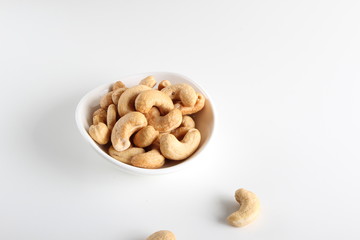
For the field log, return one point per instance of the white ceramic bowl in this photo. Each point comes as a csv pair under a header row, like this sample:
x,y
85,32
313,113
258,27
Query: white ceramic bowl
x,y
204,120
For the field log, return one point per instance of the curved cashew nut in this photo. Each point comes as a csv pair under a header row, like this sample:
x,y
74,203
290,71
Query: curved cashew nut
x,y
126,155
148,81
99,116
187,122
183,92
163,84
106,100
173,149
200,103
100,133
150,98
162,235
117,85
151,159
249,208
165,123
127,99
111,116
124,128
180,132
145,137
116,95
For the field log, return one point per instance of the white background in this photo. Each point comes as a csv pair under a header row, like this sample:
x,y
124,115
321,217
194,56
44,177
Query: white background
x,y
285,79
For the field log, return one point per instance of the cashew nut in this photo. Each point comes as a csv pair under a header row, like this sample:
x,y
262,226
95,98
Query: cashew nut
x,y
165,123
183,92
180,132
187,122
127,99
126,155
162,235
100,133
150,98
173,149
124,128
117,85
151,159
148,81
116,95
164,84
200,103
106,100
249,208
99,116
145,137
111,116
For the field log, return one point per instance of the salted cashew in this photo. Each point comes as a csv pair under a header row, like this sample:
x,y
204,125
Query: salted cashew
x,y
151,159
249,208
106,100
153,98
117,85
100,133
187,122
116,95
125,127
165,123
126,155
162,235
148,81
180,132
127,99
111,116
199,105
145,137
163,84
99,116
183,92
173,149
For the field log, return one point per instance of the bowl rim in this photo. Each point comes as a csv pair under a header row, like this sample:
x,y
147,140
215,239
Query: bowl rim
x,y
132,169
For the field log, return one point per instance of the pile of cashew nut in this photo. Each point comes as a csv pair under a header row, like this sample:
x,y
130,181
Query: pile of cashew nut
x,y
148,126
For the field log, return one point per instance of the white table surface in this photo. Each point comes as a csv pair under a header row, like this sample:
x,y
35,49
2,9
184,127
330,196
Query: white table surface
x,y
285,78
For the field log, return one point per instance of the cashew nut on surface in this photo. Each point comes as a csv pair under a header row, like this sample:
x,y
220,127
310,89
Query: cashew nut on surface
x,y
164,84
148,81
125,127
106,100
199,105
187,122
118,84
153,98
145,137
99,116
100,133
173,149
127,99
126,155
111,116
162,235
152,159
116,95
249,208
165,123
183,92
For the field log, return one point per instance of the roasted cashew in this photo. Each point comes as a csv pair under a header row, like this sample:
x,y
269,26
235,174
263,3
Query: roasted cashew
x,y
106,100
200,103
145,137
99,116
249,208
165,123
162,235
153,98
117,85
116,95
100,133
187,122
148,81
173,149
180,132
126,155
111,116
127,99
164,84
183,92
124,128
151,159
